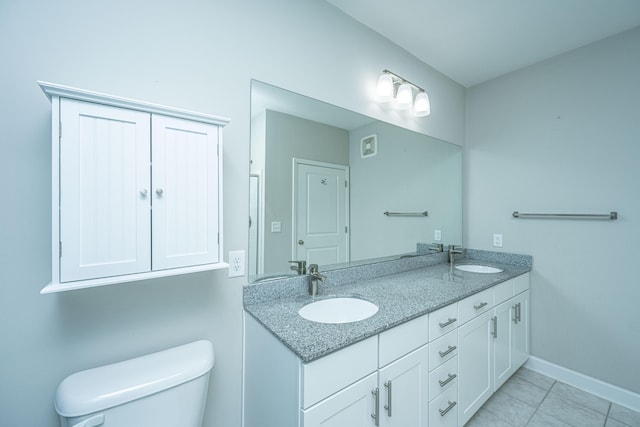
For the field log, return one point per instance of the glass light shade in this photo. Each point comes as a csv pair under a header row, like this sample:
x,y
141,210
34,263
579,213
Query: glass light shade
x,y
385,87
404,97
422,106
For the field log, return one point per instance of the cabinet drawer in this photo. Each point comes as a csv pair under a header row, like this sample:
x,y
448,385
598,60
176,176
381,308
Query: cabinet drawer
x,y
443,411
443,378
474,305
443,349
502,292
329,374
353,406
520,283
398,341
443,320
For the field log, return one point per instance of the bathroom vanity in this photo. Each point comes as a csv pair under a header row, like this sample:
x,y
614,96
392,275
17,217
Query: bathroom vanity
x,y
441,343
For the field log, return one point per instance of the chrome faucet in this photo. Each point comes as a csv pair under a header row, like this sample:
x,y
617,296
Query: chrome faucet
x,y
299,267
313,280
453,251
436,247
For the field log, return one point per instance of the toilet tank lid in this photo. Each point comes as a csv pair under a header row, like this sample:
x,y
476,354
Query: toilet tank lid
x,y
107,386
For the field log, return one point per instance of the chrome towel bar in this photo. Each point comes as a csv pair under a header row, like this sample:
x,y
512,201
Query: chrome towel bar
x,y
611,216
425,213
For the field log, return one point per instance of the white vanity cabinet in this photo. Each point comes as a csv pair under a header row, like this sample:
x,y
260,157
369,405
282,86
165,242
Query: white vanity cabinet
x,y
136,190
433,371
380,381
443,367
492,344
403,376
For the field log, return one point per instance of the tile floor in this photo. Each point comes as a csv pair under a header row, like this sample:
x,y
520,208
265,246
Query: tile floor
x,y
534,400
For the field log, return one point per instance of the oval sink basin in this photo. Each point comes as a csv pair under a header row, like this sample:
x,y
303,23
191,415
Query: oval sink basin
x,y
338,310
474,268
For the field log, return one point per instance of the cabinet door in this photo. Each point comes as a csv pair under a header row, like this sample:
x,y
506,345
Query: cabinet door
x,y
475,361
502,341
354,407
184,193
104,196
404,391
521,330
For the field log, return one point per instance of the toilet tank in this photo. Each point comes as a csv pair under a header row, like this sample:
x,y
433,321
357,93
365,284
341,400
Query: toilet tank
x,y
163,389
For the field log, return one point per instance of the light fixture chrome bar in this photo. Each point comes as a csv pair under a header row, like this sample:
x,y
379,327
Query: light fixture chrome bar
x,y
611,216
425,213
403,80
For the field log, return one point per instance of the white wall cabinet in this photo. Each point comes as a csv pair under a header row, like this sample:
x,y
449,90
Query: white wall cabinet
x,y
136,190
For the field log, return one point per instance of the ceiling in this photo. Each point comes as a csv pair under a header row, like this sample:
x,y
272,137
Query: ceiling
x,y
472,41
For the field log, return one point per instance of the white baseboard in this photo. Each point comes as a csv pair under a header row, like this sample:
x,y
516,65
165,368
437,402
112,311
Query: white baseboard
x,y
601,389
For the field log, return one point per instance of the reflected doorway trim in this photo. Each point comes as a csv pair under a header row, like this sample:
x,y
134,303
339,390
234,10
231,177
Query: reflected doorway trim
x,y
258,251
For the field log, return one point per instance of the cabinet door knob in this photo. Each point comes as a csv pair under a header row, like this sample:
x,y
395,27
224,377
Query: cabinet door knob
x,y
159,192
143,193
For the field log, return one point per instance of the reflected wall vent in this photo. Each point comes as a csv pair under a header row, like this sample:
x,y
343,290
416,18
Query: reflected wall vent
x,y
369,146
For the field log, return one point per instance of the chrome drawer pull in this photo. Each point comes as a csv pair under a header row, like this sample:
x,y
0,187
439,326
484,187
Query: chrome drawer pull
x,y
376,406
450,378
388,405
515,313
447,351
447,323
494,319
519,311
479,306
443,412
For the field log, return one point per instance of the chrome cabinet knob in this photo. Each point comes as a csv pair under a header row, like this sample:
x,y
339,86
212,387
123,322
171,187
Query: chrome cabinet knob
x,y
143,193
159,192
301,242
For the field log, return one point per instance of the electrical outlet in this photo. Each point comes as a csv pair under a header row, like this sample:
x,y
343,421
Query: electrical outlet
x,y
276,227
236,263
497,240
437,235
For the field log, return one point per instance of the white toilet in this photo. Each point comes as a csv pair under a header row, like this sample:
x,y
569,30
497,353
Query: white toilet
x,y
164,389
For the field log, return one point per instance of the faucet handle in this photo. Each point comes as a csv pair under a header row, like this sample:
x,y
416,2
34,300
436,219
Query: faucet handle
x,y
299,266
313,270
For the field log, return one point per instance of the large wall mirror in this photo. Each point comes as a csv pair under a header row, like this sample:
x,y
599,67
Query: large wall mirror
x,y
322,179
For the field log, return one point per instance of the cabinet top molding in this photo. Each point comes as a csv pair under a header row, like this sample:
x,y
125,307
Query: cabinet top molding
x,y
53,89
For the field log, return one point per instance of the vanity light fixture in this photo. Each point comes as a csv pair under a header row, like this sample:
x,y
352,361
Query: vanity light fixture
x,y
391,84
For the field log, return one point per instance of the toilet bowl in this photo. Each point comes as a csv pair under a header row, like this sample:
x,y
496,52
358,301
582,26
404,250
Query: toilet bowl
x,y
163,389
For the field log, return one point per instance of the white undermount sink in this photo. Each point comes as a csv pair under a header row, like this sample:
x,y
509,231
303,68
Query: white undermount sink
x,y
338,310
475,268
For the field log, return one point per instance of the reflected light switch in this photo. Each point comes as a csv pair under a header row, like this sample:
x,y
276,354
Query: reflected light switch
x,y
276,227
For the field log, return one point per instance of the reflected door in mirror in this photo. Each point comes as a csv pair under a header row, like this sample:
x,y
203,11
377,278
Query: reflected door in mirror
x,y
321,212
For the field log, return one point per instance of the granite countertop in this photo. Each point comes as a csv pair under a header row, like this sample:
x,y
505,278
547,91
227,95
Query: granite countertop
x,y
400,297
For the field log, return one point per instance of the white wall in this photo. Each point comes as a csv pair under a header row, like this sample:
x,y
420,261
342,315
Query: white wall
x,y
194,54
562,136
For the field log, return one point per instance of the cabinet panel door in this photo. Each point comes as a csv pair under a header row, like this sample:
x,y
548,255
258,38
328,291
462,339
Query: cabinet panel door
x,y
353,407
184,193
521,331
404,391
104,173
502,341
475,359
